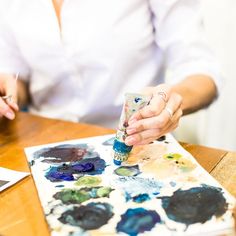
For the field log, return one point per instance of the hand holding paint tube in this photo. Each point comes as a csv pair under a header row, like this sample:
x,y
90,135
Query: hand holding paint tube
x,y
133,103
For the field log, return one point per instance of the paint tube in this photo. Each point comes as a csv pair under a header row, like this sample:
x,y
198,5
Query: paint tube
x,y
133,103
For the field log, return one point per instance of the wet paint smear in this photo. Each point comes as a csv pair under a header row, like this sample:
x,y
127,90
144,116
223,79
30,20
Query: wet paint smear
x,y
60,186
196,205
172,156
137,220
162,138
77,196
135,186
88,181
91,216
64,172
109,142
66,153
141,198
127,170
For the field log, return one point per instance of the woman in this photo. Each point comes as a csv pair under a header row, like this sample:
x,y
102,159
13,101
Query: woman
x,y
76,59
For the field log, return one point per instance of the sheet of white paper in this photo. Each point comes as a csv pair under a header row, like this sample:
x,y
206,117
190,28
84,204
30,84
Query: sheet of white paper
x,y
10,177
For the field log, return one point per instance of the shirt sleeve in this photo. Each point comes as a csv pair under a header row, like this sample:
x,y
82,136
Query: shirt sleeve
x,y
179,33
11,60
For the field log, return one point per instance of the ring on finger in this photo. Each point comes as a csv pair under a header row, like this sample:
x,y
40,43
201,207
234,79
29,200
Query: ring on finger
x,y
163,96
170,112
7,98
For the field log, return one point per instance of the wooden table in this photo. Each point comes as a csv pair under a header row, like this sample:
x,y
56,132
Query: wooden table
x,y
20,209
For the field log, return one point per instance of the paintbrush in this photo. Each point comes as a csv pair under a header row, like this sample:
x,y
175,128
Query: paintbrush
x,y
8,98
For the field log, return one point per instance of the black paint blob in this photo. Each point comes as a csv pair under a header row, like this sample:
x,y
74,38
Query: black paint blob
x,y
196,205
91,216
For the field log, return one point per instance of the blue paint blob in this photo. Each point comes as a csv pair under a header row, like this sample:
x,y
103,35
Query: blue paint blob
x,y
137,220
90,166
54,175
141,198
83,167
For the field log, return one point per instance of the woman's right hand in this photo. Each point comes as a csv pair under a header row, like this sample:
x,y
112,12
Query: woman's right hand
x,y
8,89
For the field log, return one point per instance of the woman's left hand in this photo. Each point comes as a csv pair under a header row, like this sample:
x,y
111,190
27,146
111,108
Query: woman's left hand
x,y
161,116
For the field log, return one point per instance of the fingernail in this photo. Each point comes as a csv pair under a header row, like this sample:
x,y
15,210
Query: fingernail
x,y
10,115
130,130
130,141
15,106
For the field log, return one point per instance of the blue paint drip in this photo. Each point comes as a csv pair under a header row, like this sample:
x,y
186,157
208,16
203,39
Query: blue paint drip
x,y
90,166
137,220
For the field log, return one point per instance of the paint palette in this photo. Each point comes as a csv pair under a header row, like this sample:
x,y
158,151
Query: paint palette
x,y
160,190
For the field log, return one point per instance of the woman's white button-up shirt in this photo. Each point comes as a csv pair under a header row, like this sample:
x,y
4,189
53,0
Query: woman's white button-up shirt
x,y
103,49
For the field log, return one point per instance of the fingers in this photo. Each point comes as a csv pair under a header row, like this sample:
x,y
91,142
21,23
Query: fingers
x,y
157,121
11,91
149,135
161,116
8,103
6,110
160,95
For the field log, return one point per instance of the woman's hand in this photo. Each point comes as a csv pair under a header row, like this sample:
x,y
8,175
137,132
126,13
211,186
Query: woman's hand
x,y
161,116
8,96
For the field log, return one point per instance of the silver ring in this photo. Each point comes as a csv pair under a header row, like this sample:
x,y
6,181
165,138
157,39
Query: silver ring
x,y
7,98
163,96
169,111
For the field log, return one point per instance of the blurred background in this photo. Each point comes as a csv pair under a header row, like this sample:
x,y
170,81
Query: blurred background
x,y
216,125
